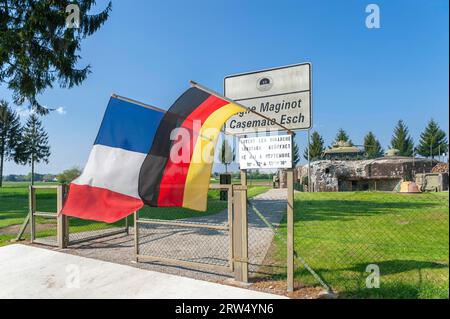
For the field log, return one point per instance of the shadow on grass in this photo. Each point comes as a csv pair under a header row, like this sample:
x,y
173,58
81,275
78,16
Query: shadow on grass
x,y
350,282
390,267
399,290
322,210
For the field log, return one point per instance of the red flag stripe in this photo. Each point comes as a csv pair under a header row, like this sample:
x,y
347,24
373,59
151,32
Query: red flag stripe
x,y
174,177
94,203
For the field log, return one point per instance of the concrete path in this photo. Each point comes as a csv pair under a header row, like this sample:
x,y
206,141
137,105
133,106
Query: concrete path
x,y
211,246
31,272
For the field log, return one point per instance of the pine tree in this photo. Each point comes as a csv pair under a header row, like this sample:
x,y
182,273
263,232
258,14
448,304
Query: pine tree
x,y
372,146
10,135
295,153
342,136
34,147
38,49
401,140
226,154
316,147
432,140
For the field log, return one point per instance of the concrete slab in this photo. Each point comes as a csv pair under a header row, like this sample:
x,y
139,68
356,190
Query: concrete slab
x,y
31,272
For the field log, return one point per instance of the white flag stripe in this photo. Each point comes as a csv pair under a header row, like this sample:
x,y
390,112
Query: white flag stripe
x,y
114,169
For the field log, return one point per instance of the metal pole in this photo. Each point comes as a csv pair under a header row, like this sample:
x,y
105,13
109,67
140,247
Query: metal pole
x,y
230,227
290,230
136,235
431,155
203,88
62,236
439,151
240,233
127,227
32,207
309,161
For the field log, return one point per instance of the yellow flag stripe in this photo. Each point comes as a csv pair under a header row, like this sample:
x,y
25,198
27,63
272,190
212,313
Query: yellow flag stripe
x,y
199,173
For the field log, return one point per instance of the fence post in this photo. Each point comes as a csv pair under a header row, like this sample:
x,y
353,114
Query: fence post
x,y
244,177
240,233
136,236
290,230
32,208
127,227
231,226
62,220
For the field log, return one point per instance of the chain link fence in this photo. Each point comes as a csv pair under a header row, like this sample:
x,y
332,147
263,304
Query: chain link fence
x,y
366,244
183,237
81,230
266,240
356,244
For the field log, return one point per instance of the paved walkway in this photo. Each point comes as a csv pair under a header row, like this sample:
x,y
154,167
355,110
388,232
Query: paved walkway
x,y
211,246
201,245
31,272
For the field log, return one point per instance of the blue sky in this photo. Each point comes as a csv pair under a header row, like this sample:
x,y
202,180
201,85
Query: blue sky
x,y
363,79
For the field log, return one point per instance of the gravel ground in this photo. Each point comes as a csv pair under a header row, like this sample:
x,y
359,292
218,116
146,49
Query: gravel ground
x,y
193,244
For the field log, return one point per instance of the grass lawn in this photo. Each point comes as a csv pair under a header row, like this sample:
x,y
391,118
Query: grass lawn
x,y
405,235
14,208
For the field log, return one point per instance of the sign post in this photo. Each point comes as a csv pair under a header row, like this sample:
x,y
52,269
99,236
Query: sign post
x,y
278,99
290,230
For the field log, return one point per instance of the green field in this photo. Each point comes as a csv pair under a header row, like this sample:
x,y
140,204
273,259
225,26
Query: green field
x,y
337,234
405,235
14,208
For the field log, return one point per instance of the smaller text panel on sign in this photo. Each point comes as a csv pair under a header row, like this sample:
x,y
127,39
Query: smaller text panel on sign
x,y
265,152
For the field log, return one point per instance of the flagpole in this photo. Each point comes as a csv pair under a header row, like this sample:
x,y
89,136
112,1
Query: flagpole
x,y
203,88
126,99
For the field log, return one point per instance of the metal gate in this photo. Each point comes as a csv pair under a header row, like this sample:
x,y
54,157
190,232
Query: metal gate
x,y
53,229
219,242
206,242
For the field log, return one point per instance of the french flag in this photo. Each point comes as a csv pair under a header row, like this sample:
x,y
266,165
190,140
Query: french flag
x,y
131,164
108,188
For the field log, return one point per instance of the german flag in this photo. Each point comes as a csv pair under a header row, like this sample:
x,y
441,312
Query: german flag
x,y
163,182
132,162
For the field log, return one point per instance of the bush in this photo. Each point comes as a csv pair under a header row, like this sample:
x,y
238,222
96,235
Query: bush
x,y
68,175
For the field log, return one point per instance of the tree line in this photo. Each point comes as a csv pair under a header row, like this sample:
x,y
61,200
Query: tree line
x,y
24,144
433,141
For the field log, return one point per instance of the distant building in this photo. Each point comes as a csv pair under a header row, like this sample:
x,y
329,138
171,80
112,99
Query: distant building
x,y
343,151
381,174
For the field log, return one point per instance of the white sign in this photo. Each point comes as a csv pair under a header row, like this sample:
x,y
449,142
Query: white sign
x,y
265,152
282,94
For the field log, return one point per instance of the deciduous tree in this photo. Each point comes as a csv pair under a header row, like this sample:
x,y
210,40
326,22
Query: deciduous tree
x,y
67,176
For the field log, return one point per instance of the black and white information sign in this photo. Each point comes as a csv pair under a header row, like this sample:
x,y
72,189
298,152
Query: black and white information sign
x,y
265,152
282,94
